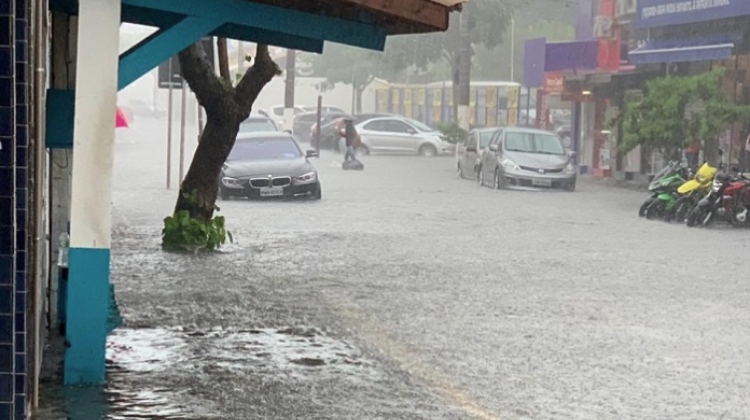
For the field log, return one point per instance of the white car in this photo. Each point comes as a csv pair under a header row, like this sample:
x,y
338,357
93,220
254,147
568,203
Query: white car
x,y
400,135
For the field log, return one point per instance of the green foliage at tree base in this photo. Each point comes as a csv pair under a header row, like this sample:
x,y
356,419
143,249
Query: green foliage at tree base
x,y
183,233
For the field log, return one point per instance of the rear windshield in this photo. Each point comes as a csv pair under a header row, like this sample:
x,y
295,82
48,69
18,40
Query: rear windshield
x,y
264,149
257,125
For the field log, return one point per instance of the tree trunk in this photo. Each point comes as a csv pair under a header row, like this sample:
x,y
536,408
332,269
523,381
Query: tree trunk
x,y
226,107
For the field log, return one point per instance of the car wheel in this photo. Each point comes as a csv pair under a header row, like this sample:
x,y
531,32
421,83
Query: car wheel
x,y
571,187
318,194
498,181
427,150
223,194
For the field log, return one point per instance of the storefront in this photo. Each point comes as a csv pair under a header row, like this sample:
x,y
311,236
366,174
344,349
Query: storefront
x,y
678,38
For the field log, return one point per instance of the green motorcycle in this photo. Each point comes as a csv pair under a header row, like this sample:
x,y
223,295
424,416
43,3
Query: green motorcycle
x,y
663,190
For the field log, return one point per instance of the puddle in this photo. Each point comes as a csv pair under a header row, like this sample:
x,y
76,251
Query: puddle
x,y
143,366
298,351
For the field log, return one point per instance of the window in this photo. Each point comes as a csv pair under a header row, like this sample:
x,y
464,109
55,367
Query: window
x,y
485,137
378,125
257,125
534,143
396,126
279,148
472,141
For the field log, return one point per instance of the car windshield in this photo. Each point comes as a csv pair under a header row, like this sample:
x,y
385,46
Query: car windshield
x,y
421,126
257,126
547,144
264,149
484,138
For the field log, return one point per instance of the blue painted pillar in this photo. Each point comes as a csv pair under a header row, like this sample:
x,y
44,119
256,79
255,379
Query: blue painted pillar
x,y
91,197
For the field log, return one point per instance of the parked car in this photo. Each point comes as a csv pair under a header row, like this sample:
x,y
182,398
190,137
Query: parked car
x,y
400,135
469,152
527,158
258,123
330,132
266,165
277,113
325,109
327,140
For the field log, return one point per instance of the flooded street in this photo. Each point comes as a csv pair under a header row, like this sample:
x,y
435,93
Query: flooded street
x,y
407,293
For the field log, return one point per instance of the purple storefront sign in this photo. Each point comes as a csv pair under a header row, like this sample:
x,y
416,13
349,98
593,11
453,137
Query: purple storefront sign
x,y
578,55
533,62
653,13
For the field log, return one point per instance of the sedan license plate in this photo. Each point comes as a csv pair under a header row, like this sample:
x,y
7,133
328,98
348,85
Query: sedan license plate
x,y
541,182
271,191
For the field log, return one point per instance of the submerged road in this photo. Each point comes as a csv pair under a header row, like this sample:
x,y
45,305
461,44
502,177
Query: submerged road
x,y
407,293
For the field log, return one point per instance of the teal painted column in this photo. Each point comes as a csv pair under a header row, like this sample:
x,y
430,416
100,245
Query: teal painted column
x,y
87,317
89,291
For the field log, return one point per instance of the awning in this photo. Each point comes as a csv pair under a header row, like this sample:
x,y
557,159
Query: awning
x,y
683,50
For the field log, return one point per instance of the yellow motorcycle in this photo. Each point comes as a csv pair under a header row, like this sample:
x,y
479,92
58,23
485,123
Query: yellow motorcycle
x,y
691,192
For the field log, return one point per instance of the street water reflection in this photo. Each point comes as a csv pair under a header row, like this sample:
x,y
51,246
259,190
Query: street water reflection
x,y
133,354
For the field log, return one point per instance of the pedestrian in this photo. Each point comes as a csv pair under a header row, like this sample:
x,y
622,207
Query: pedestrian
x,y
692,151
353,140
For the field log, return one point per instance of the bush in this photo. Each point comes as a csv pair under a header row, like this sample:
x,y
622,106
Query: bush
x,y
182,232
453,133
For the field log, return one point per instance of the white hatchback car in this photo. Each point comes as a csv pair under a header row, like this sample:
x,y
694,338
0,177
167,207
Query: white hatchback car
x,y
400,135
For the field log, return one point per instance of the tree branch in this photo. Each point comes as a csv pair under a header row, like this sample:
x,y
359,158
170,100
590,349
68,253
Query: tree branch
x,y
255,78
199,75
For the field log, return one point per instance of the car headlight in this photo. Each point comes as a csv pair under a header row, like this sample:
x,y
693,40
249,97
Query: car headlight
x,y
231,182
509,165
308,177
570,169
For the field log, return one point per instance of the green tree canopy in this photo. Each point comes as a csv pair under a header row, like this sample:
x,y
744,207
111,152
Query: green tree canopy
x,y
676,111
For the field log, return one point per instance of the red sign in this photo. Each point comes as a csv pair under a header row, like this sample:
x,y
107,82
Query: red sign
x,y
554,83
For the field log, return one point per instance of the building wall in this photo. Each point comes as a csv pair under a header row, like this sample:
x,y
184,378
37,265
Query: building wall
x,y
14,138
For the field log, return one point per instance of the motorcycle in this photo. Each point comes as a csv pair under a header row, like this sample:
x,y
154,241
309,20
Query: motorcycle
x,y
691,192
663,190
728,200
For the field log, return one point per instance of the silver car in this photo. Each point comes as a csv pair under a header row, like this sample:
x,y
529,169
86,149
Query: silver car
x,y
400,135
469,152
527,158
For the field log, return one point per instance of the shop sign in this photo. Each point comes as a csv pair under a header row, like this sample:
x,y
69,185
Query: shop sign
x,y
653,13
554,83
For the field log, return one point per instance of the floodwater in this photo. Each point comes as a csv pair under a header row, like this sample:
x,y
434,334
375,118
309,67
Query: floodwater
x,y
407,293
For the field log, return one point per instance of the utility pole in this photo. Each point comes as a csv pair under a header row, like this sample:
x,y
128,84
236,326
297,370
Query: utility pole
x,y
512,48
464,69
291,69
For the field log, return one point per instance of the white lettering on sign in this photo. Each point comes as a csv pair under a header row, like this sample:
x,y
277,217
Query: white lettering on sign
x,y
684,6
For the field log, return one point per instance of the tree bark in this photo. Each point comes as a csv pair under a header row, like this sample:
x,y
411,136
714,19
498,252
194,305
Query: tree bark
x,y
226,107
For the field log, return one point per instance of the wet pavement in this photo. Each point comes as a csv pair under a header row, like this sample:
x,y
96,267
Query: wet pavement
x,y
407,293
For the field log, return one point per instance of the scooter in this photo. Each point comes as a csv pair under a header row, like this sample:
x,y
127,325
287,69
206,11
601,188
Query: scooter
x,y
663,190
728,200
691,192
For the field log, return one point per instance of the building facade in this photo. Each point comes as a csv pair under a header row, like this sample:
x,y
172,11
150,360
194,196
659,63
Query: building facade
x,y
22,244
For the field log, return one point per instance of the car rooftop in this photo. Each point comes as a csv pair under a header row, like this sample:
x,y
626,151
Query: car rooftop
x,y
265,135
527,130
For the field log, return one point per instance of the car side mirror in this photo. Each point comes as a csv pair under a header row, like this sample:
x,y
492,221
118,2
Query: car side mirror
x,y
471,149
312,153
411,131
493,148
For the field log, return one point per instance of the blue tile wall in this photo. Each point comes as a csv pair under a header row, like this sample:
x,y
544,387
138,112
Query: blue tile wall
x,y
21,202
14,140
7,211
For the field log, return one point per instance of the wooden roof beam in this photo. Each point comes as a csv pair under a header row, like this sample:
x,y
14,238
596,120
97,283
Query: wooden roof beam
x,y
422,11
